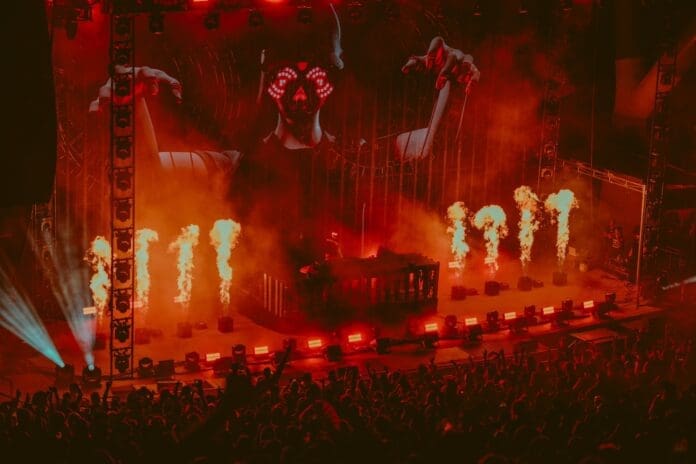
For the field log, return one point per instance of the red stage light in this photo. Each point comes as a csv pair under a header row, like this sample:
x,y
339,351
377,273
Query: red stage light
x,y
431,327
548,311
510,316
469,321
314,343
260,350
355,338
210,357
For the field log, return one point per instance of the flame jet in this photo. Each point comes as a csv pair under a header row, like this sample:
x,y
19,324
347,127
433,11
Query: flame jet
x,y
559,205
492,220
528,204
99,257
457,213
224,237
184,245
143,237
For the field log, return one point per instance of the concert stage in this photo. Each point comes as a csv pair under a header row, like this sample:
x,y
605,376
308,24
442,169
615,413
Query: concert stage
x,y
27,370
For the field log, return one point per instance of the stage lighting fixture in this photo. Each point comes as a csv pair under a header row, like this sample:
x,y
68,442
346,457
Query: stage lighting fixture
x,y
123,210
355,10
429,339
65,375
475,332
123,26
192,361
124,179
548,311
430,327
610,298
588,305
523,8
255,18
122,270
239,354
165,368
91,376
212,20
122,116
89,311
156,23
476,10
391,10
146,368
510,316
492,318
304,14
315,343
210,357
469,321
567,305
122,330
123,147
355,338
124,240
122,299
530,312
261,350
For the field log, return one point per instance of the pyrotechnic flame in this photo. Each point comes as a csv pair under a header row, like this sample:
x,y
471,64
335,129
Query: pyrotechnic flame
x,y
224,236
99,257
560,204
528,204
184,244
143,237
456,214
491,219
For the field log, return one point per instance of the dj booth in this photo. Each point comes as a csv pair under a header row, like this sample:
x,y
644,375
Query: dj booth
x,y
385,287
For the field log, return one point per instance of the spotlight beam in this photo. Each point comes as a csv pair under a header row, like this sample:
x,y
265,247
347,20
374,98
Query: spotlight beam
x,y
18,315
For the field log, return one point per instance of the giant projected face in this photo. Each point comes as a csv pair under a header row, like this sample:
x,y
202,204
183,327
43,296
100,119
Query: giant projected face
x,y
299,92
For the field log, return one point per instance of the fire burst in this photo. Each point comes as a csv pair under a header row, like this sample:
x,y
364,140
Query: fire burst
x,y
456,213
99,257
185,243
560,205
491,219
224,236
143,237
527,203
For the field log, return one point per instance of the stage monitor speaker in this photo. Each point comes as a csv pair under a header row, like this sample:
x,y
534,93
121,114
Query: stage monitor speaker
x,y
492,288
225,324
525,284
184,330
29,131
334,353
164,368
223,366
560,279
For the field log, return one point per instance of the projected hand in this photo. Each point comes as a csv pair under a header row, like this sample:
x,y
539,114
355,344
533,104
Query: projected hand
x,y
449,63
147,82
